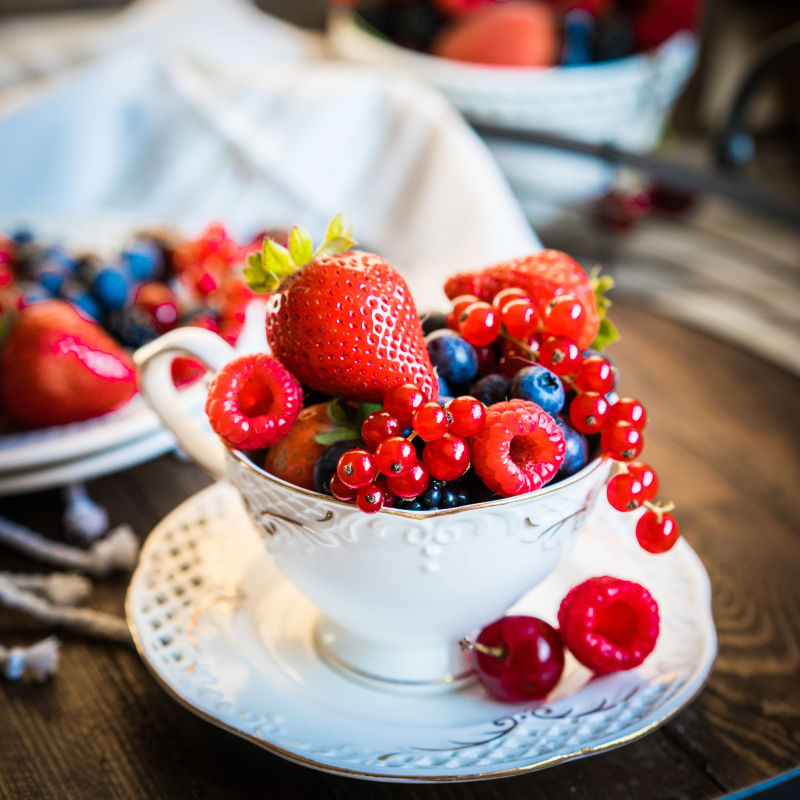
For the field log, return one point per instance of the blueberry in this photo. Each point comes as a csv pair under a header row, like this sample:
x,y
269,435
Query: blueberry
x,y
22,235
326,462
75,293
444,388
491,389
52,269
131,326
433,321
578,30
415,505
449,499
144,260
540,386
110,287
577,454
431,497
32,294
455,360
463,497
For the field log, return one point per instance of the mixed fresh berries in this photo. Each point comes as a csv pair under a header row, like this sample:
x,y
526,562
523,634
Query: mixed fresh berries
x,y
608,624
122,301
527,401
495,398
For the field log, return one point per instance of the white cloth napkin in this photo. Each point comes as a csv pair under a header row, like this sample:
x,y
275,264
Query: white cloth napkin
x,y
193,110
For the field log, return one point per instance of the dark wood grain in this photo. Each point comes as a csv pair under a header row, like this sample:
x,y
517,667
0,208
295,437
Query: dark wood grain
x,y
723,434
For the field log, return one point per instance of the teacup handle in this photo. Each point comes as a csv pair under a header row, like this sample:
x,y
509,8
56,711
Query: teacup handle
x,y
155,363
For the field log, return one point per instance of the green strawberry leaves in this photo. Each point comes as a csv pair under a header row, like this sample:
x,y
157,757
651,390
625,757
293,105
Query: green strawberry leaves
x,y
349,418
266,269
301,248
607,332
338,238
339,435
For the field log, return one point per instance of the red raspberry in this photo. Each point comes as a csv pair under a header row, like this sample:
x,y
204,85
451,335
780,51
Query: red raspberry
x,y
609,624
253,402
519,449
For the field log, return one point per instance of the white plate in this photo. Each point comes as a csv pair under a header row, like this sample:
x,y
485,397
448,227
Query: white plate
x,y
231,640
45,447
94,465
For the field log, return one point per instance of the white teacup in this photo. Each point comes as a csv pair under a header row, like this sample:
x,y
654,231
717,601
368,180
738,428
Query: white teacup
x,y
396,590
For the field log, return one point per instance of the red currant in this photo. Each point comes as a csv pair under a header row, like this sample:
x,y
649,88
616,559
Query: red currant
x,y
622,442
630,410
430,421
378,426
560,355
518,658
356,468
466,415
595,374
341,491
519,318
395,456
588,412
460,303
657,531
447,458
507,295
388,498
370,498
625,492
479,324
564,316
647,475
412,484
402,401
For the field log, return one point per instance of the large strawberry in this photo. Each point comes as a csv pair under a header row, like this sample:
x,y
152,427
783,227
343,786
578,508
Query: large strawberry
x,y
342,322
543,276
57,367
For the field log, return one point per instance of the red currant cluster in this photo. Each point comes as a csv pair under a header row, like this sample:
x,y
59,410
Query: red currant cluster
x,y
608,624
513,316
550,340
389,467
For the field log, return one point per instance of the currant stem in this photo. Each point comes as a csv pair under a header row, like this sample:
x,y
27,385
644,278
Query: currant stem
x,y
495,652
660,508
519,343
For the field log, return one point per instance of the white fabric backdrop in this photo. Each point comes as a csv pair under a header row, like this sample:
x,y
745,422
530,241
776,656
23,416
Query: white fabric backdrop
x,y
193,110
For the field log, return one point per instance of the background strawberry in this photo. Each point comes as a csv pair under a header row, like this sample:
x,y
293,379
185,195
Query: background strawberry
x,y
543,276
57,367
343,323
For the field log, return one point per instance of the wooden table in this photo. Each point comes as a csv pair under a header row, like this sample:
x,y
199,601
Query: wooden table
x,y
723,436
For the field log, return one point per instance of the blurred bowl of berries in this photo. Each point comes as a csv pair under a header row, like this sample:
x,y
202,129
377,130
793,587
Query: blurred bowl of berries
x,y
414,476
597,71
76,298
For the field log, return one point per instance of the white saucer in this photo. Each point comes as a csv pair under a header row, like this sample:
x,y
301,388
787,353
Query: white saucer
x,y
232,640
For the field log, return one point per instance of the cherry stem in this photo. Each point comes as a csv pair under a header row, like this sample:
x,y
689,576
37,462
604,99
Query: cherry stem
x,y
495,652
411,436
